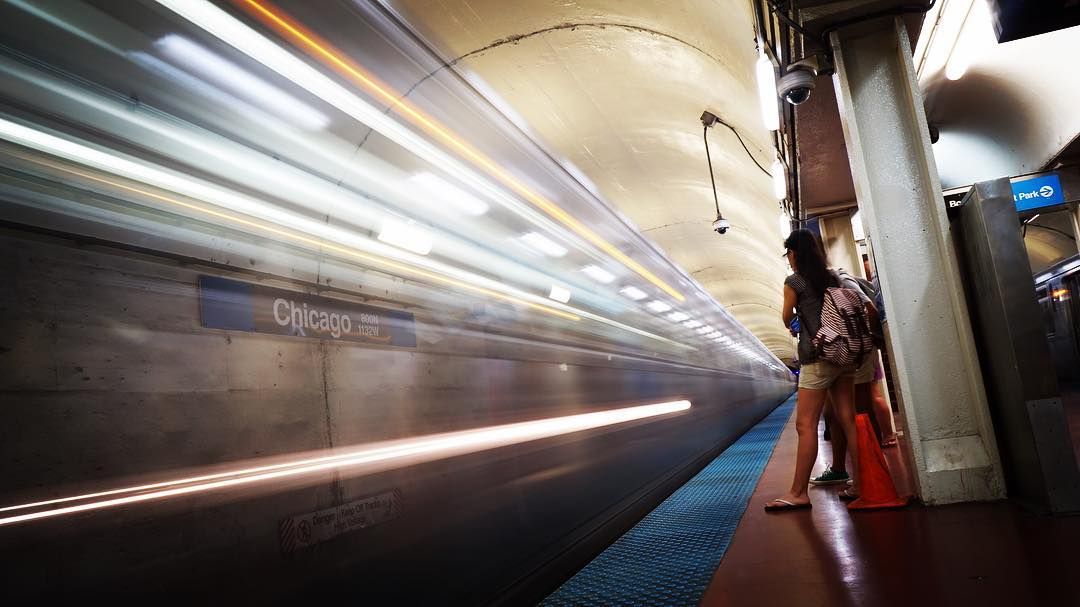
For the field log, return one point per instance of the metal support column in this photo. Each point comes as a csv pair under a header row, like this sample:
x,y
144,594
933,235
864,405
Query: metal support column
x,y
896,182
1076,224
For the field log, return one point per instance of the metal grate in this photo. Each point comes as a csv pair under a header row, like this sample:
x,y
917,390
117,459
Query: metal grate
x,y
669,557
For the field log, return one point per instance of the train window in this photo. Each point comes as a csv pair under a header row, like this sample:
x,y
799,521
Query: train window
x,y
1047,309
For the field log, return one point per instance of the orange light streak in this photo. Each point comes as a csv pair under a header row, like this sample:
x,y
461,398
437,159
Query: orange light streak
x,y
335,59
403,452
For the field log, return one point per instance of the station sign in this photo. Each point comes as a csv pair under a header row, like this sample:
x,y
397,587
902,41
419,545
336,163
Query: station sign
x,y
305,530
240,306
1037,192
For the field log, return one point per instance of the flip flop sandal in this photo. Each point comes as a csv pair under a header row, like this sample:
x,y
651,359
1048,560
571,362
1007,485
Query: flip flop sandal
x,y
779,505
848,495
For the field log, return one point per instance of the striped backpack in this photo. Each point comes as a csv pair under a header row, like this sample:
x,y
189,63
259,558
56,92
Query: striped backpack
x,y
844,337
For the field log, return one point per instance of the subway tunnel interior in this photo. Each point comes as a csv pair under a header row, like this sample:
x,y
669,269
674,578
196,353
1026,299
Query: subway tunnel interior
x,y
273,265
414,301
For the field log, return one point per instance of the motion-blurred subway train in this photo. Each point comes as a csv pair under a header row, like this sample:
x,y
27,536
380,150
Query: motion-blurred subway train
x,y
1058,292
296,316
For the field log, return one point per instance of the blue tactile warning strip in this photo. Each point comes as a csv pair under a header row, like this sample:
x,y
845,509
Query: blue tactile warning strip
x,y
669,557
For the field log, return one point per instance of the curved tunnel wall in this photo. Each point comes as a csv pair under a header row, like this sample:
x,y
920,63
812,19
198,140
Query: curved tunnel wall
x,y
125,185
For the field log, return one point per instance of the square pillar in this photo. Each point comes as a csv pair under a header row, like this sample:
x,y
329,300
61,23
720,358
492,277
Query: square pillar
x,y
939,382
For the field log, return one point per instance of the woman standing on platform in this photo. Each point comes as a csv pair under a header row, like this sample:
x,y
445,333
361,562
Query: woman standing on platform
x,y
803,293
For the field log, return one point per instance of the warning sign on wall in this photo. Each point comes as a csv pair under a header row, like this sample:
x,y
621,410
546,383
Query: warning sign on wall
x,y
301,531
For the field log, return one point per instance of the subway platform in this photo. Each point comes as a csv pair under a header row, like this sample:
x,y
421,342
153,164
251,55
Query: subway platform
x,y
994,553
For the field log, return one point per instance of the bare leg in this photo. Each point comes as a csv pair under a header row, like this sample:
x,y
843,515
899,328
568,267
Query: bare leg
x,y
882,413
807,414
864,404
842,393
837,440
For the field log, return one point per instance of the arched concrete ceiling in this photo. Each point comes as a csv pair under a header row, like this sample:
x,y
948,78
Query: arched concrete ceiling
x,y
616,88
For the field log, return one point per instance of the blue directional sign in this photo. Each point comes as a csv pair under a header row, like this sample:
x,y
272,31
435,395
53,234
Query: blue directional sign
x,y
1038,192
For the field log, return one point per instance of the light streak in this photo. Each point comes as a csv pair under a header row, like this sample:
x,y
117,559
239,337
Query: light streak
x,y
336,60
414,450
410,237
85,155
229,75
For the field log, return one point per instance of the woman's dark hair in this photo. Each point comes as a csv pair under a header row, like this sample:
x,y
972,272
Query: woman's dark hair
x,y
810,260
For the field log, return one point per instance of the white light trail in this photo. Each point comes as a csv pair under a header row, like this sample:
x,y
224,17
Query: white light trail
x,y
246,40
443,191
228,75
404,452
410,237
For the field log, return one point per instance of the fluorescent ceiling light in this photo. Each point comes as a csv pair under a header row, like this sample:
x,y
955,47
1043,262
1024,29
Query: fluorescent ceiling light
x,y
779,179
559,294
348,462
955,33
633,293
975,38
857,226
692,324
410,237
242,82
598,274
443,191
543,244
657,306
678,316
706,330
766,77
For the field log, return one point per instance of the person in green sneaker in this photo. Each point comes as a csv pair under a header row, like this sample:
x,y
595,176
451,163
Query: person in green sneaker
x,y
831,477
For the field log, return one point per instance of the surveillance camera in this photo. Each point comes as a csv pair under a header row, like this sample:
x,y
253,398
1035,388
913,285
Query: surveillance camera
x,y
720,225
797,82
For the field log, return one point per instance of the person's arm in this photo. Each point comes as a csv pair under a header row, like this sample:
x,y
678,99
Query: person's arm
x,y
872,313
788,311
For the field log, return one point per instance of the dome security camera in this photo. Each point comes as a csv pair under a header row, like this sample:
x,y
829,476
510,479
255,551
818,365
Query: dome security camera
x,y
797,82
720,225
